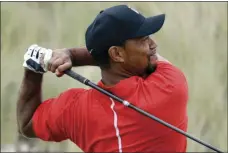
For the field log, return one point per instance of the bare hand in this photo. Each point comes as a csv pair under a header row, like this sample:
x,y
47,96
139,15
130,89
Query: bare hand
x,y
60,61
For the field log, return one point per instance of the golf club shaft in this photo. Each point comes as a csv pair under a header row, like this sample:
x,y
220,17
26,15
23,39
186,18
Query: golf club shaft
x,y
91,84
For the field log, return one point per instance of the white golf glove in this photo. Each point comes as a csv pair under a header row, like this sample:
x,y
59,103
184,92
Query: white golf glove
x,y
36,58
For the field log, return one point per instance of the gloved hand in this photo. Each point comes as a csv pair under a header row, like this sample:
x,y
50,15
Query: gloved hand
x,y
36,58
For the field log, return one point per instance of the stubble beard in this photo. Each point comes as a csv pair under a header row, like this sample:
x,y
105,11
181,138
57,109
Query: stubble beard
x,y
151,68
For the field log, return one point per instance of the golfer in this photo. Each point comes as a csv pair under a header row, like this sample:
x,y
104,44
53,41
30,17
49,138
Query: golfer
x,y
119,42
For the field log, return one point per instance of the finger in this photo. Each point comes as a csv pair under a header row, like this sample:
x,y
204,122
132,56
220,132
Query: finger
x,y
58,74
51,62
64,67
56,64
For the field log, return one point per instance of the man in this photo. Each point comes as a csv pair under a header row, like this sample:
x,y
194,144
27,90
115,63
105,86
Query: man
x,y
118,42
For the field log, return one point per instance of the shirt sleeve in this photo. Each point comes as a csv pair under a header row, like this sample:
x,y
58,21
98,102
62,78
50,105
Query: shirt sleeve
x,y
168,89
50,120
167,74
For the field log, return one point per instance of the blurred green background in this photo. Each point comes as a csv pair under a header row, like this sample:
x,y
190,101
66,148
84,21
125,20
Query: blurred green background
x,y
194,38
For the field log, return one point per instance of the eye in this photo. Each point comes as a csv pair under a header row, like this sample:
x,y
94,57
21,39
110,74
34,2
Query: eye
x,y
146,38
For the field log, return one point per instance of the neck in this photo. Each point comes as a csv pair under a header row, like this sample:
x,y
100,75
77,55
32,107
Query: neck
x,y
111,77
116,73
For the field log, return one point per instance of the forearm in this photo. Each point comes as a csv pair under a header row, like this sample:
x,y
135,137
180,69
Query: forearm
x,y
81,57
29,99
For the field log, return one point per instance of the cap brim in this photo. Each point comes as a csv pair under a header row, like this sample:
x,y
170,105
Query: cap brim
x,y
151,25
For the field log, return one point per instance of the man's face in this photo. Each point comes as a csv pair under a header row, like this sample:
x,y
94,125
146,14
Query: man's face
x,y
140,56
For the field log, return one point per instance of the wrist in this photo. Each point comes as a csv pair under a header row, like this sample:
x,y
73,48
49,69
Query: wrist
x,y
32,76
80,56
69,52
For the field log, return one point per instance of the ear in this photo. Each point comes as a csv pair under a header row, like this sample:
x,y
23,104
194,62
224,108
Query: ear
x,y
116,54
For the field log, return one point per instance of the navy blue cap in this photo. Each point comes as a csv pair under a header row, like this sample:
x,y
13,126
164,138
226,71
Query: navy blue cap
x,y
113,26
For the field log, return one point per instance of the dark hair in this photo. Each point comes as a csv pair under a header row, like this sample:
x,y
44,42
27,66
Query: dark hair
x,y
102,59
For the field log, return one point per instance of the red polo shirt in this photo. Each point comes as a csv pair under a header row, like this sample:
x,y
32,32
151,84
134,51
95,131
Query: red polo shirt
x,y
96,123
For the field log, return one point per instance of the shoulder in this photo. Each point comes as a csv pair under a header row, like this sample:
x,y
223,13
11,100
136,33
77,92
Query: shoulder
x,y
72,93
166,79
63,101
167,73
167,66
78,92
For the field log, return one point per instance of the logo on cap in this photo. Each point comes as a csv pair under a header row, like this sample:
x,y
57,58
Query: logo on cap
x,y
90,51
133,10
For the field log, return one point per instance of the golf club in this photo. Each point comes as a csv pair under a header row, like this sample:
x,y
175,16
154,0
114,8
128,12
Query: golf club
x,y
126,103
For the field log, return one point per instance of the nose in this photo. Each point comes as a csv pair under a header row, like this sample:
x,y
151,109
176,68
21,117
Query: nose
x,y
152,44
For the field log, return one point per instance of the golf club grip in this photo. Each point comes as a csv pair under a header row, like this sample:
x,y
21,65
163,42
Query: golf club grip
x,y
91,84
77,76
